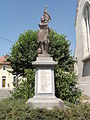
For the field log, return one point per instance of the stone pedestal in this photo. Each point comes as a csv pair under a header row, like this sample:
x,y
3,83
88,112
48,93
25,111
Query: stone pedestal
x,y
44,85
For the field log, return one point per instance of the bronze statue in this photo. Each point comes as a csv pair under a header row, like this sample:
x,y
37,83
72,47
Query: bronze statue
x,y
43,33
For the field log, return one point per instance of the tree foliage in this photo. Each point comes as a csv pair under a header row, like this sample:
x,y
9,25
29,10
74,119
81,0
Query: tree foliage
x,y
24,51
60,51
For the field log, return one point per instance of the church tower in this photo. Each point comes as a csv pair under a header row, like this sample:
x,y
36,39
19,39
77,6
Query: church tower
x,y
82,50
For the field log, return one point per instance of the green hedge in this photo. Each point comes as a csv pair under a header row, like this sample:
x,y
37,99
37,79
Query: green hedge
x,y
18,110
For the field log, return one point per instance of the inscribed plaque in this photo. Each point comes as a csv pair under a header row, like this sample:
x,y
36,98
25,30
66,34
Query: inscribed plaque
x,y
44,81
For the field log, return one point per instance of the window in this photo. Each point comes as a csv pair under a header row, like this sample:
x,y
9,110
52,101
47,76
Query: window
x,y
14,79
4,67
87,23
3,81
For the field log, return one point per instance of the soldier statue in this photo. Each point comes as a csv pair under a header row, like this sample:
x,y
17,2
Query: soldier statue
x,y
43,33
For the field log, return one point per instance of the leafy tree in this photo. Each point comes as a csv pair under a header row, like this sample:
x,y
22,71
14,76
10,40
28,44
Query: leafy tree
x,y
24,51
60,50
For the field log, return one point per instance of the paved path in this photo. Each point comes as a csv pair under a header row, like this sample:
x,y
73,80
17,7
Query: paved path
x,y
4,94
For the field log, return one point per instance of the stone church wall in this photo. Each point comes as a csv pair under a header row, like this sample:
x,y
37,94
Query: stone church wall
x,y
82,66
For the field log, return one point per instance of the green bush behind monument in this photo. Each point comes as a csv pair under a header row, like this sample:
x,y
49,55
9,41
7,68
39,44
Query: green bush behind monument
x,y
24,51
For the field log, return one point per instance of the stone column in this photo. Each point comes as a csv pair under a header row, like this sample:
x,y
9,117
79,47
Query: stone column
x,y
44,85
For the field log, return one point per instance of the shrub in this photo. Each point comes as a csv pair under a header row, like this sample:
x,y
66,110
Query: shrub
x,y
25,89
18,110
66,88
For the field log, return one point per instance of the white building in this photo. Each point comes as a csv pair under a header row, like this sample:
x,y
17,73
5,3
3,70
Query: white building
x,y
6,78
82,50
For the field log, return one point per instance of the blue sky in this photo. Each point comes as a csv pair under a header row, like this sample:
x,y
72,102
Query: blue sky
x,y
17,16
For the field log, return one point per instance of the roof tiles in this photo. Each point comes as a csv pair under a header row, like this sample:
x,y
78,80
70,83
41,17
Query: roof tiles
x,y
3,60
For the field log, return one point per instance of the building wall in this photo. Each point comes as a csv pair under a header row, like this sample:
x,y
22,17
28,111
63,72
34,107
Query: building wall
x,y
82,68
9,77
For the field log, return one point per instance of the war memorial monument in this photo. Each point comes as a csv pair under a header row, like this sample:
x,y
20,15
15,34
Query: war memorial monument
x,y
44,76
